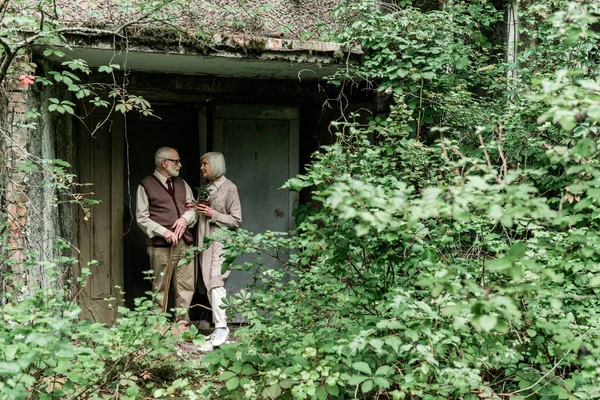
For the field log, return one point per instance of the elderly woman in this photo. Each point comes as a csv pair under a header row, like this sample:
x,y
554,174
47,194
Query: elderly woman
x,y
224,210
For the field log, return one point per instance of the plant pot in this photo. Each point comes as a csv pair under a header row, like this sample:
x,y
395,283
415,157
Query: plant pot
x,y
204,202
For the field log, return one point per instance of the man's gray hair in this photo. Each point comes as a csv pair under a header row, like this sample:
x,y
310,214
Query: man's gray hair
x,y
162,154
217,164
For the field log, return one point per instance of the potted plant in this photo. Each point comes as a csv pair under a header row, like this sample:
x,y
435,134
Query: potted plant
x,y
203,194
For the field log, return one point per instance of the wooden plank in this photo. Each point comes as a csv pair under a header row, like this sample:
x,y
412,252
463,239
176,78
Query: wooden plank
x,y
117,204
83,241
100,238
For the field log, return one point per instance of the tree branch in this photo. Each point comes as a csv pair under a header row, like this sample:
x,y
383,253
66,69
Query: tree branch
x,y
504,167
537,382
9,55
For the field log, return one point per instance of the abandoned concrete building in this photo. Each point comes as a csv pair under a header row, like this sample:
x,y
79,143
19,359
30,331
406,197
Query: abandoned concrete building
x,y
251,90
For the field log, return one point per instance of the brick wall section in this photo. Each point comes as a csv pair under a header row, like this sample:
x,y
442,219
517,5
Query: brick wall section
x,y
14,144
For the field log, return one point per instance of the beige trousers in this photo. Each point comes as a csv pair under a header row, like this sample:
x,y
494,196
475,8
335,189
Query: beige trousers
x,y
183,276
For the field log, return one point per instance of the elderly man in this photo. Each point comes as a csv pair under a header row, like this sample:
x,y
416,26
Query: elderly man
x,y
161,214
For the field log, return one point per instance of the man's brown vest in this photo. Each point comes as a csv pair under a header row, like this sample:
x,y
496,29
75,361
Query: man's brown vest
x,y
165,208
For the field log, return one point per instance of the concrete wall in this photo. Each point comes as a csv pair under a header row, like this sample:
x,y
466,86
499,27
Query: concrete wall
x,y
50,211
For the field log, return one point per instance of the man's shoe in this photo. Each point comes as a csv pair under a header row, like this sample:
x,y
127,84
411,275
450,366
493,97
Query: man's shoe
x,y
219,336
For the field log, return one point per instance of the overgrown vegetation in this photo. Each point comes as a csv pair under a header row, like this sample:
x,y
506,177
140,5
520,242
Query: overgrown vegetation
x,y
48,352
451,249
467,268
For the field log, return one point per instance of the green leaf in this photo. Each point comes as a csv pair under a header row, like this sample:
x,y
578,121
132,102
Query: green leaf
x,y
212,357
382,383
321,393
569,384
499,264
232,383
362,367
9,368
585,147
61,162
361,229
213,368
517,251
236,367
333,390
273,391
356,379
487,322
227,375
296,184
367,386
588,251
248,369
561,392
68,109
594,281
26,166
384,370
461,63
132,390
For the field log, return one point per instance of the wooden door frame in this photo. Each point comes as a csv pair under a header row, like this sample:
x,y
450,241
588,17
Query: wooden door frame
x,y
110,139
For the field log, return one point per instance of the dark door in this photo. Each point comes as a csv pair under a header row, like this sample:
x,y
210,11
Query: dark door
x,y
260,144
178,128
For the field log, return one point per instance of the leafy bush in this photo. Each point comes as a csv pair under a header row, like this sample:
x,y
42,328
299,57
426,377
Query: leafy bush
x,y
47,352
463,269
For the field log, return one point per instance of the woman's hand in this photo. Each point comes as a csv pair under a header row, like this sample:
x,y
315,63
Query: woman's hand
x,y
205,210
189,206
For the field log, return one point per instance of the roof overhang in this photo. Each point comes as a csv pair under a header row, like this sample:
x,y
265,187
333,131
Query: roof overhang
x,y
233,56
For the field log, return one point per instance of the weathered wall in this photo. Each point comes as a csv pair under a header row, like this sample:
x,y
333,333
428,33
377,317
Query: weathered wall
x,y
14,182
28,185
49,212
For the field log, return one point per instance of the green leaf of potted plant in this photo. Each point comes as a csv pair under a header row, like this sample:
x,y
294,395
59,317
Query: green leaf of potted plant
x,y
203,195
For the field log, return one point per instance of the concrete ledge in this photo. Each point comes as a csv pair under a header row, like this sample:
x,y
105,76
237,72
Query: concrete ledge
x,y
280,44
224,55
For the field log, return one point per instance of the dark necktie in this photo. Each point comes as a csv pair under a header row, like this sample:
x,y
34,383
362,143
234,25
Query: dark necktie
x,y
170,187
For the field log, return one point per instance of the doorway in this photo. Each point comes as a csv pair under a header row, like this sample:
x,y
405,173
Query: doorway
x,y
174,126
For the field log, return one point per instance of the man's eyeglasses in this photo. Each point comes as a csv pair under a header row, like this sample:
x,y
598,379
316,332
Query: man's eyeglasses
x,y
178,161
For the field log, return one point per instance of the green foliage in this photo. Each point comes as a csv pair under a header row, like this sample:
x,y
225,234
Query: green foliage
x,y
431,61
466,268
48,352
203,193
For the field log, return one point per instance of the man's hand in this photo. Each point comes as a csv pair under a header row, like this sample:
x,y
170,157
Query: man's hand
x,y
191,206
179,227
171,237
